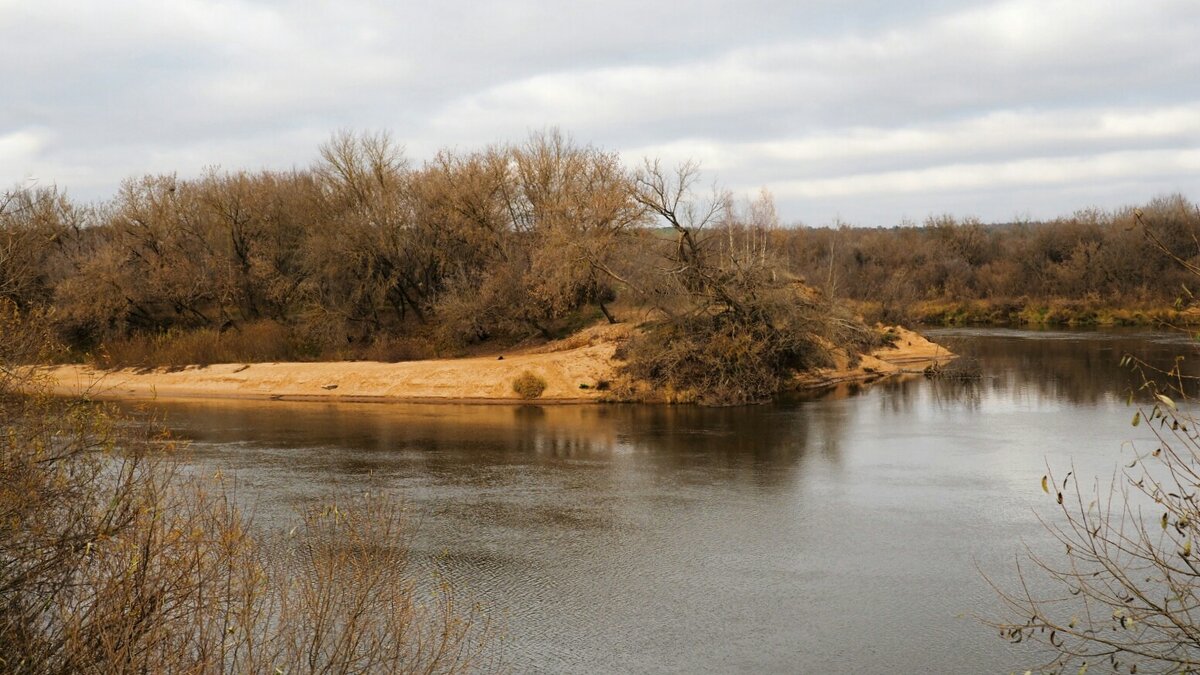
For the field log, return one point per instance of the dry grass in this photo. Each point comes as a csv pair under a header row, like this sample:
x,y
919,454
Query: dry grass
x,y
254,342
111,562
1056,312
258,342
389,349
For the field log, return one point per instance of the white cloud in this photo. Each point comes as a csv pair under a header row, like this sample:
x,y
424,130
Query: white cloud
x,y
21,146
1027,172
866,99
999,133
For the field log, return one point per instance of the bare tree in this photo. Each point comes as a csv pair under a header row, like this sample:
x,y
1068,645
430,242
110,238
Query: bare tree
x,y
1125,591
35,224
735,326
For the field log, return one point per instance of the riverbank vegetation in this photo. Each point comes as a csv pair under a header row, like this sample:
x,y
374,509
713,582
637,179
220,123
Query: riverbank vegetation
x,y
364,255
114,560
1091,268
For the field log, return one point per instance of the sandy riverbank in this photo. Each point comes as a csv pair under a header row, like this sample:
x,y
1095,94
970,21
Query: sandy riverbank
x,y
911,353
573,370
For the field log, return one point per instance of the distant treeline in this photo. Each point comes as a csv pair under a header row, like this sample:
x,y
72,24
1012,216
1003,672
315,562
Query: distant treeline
x,y
363,255
1125,266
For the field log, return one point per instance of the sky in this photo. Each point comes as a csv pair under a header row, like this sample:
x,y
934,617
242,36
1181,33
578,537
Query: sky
x,y
863,112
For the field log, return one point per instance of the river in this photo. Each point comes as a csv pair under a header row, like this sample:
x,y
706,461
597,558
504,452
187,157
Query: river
x,y
839,531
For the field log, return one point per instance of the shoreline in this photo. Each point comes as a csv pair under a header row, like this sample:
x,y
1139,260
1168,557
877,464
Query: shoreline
x,y
574,375
1055,313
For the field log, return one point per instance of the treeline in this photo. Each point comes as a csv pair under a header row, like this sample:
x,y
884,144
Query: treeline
x,y
1121,266
468,247
364,255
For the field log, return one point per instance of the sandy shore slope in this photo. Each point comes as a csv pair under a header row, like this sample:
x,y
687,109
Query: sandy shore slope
x,y
581,360
911,353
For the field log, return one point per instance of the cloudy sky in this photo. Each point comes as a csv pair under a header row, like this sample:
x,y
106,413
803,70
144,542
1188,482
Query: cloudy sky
x,y
867,111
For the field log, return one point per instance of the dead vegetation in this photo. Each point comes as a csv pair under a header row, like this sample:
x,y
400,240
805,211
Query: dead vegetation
x,y
1093,267
364,256
112,561
733,325
528,386
961,368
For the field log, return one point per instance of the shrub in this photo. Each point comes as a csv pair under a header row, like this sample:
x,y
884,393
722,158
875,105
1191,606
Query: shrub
x,y
528,386
112,562
252,342
395,349
714,360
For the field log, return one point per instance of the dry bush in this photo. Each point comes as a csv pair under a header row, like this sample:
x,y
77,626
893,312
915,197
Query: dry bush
x,y
734,326
1124,592
254,342
714,360
344,600
472,311
1106,255
963,368
528,386
392,349
111,562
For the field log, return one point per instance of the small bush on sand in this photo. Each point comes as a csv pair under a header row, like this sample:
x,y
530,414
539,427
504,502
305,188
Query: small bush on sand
x,y
528,386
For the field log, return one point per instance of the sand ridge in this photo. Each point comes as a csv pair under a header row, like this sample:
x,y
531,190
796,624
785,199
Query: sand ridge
x,y
575,371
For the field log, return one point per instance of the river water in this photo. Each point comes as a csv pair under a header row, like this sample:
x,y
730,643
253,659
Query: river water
x,y
841,531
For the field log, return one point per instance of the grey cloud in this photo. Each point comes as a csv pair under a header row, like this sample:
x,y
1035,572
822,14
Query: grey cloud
x,y
867,110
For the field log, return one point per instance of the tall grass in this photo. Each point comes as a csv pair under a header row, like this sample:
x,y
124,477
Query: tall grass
x,y
257,342
111,561
254,342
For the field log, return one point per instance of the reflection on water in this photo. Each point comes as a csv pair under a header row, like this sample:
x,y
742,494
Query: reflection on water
x,y
834,532
1072,366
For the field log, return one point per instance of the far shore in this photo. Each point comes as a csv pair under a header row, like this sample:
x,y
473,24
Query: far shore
x,y
578,370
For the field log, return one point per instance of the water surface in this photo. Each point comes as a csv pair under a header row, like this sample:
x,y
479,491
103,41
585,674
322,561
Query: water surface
x,y
836,532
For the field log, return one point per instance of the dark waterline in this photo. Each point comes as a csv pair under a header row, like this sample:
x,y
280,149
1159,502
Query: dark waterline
x,y
837,532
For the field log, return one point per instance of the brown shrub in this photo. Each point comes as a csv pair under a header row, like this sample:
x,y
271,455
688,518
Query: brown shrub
x,y
390,349
528,386
252,342
715,361
111,562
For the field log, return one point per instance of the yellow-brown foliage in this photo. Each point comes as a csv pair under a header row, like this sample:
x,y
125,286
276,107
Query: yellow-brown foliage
x,y
528,385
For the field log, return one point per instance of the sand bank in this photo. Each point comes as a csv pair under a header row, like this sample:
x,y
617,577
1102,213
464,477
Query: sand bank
x,y
575,371
910,353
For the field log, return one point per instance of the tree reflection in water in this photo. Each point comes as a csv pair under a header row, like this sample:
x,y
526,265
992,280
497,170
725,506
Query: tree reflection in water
x,y
611,532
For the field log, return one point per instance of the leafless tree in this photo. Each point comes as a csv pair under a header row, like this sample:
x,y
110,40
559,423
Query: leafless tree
x,y
1124,592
